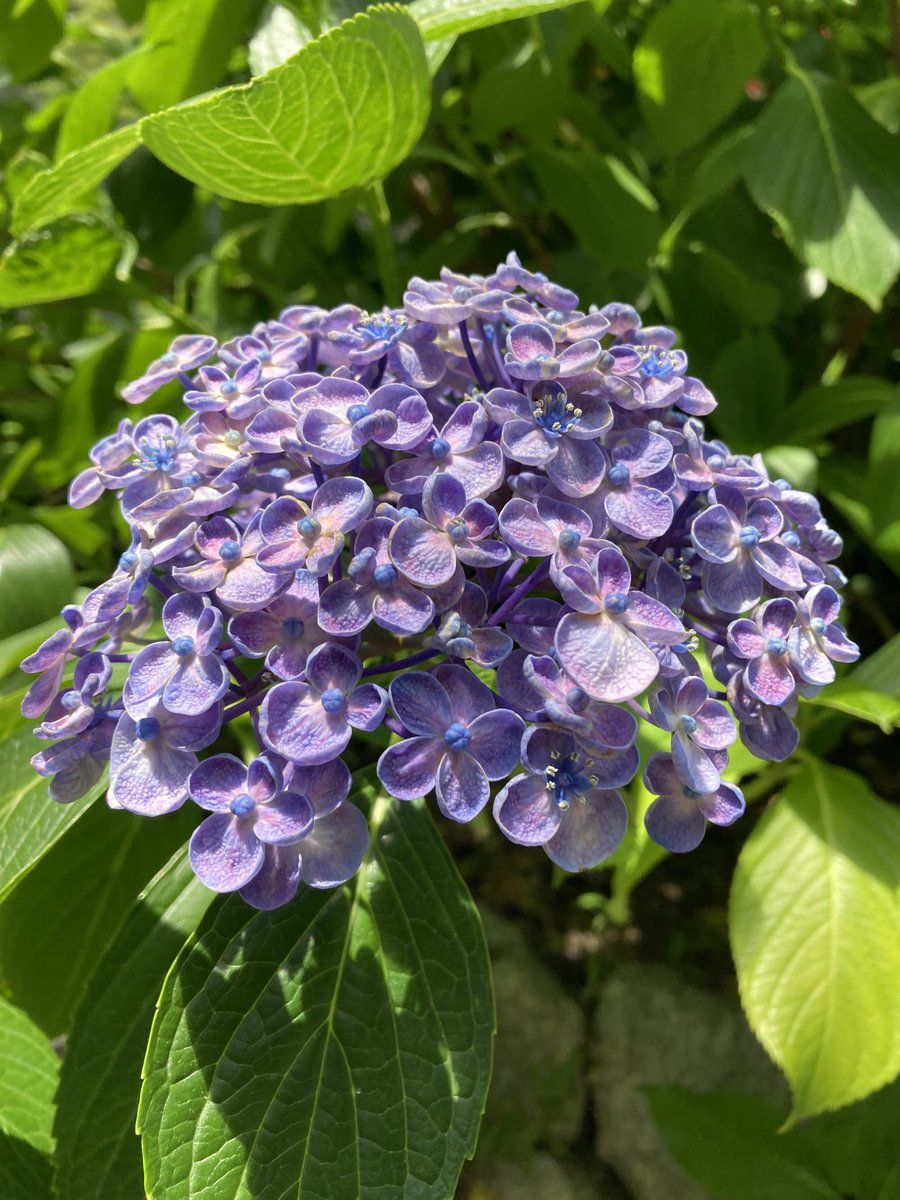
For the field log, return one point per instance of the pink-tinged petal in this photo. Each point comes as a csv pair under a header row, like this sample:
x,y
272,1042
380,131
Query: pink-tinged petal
x,y
604,658
181,613
333,666
715,726
776,617
324,786
523,442
642,511
491,646
777,566
714,536
526,811
516,689
195,685
480,517
559,516
580,357
579,589
613,572
769,679
525,531
149,778
409,475
333,852
735,586
542,744
324,553
692,695
254,633
766,517
810,663
696,398
724,806
201,577
504,405
285,819
660,775
279,521
421,702
462,788
443,498
366,707
247,586
293,723
276,882
403,610
194,732
50,653
496,737
468,697
652,620
838,646
824,603
614,768
694,766
590,830
283,557
224,853
149,673
529,341
676,823
483,554
264,779
577,467
480,471
342,503
424,555
745,638
643,452
533,624
216,781
345,608
408,770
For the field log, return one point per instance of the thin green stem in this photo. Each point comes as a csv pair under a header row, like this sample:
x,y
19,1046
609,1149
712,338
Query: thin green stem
x,y
376,206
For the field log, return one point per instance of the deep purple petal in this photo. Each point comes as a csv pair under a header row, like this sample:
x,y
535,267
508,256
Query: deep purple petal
x,y
462,788
526,811
590,830
496,737
408,769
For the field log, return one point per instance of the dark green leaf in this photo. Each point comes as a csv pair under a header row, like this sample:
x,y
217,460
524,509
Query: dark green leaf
x,y
749,380
25,1173
882,101
29,29
730,1143
36,577
28,1075
60,919
691,65
70,257
98,1156
859,1145
827,173
608,209
441,18
338,1047
826,407
342,113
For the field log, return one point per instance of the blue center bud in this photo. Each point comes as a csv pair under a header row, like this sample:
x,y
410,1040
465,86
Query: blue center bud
x,y
680,648
170,359
70,700
457,737
292,627
147,729
230,551
440,448
577,699
606,360
407,512
356,412
192,479
817,625
128,560
385,576
334,701
242,805
749,536
618,475
280,473
616,602
657,364
791,538
183,646
716,462
569,539
264,355
777,645
687,724
309,527
457,530
228,388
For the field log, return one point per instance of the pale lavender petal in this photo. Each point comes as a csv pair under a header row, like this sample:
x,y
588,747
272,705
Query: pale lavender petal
x,y
735,586
652,620
496,737
333,666
292,722
462,788
285,819
366,707
590,830
334,850
714,536
745,638
605,659
421,702
777,566
811,664
715,726
524,530
526,811
642,511
216,782
408,769
577,467
424,555
224,853
403,610
324,786
693,765
195,685
276,882
769,678
724,806
467,695
675,823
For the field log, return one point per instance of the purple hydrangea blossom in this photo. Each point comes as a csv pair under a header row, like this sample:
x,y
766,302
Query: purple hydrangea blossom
x,y
331,493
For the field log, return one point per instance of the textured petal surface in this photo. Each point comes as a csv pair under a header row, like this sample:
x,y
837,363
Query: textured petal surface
x,y
590,830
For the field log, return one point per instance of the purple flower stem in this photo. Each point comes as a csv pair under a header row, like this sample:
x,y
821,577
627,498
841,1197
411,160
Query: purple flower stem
x,y
706,631
639,711
238,674
489,336
470,355
162,585
318,474
312,354
337,571
322,581
395,727
120,658
185,380
538,575
245,706
401,664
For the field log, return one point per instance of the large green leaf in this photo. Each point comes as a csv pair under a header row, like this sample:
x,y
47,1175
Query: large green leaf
x,y
856,700
69,257
730,1143
98,1156
815,932
90,113
29,29
30,822
55,192
826,407
36,577
342,113
827,172
56,925
28,1074
749,379
443,18
691,65
339,1047
859,1146
610,212
881,670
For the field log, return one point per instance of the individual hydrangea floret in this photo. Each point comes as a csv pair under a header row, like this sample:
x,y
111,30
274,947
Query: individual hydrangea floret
x,y
483,529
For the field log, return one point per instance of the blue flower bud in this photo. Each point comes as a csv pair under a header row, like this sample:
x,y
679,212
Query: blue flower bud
x,y
457,737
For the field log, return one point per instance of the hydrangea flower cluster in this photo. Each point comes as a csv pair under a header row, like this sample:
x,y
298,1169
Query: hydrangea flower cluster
x,y
488,522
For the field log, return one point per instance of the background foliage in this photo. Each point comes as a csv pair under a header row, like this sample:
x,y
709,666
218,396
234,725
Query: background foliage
x,y
729,167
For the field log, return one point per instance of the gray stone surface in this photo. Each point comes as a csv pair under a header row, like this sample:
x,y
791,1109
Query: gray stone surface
x,y
651,1027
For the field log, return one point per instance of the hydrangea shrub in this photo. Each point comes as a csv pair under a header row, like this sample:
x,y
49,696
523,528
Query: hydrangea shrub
x,y
488,524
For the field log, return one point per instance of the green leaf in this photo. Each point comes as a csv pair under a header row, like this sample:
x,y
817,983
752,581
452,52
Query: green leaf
x,y
17,646
815,932
881,670
608,209
442,18
98,1156
25,1173
29,29
342,113
848,696
859,1146
730,1143
36,577
279,37
882,101
70,257
691,65
353,1028
60,919
749,380
28,1075
61,189
827,173
192,40
826,407
91,110
797,464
